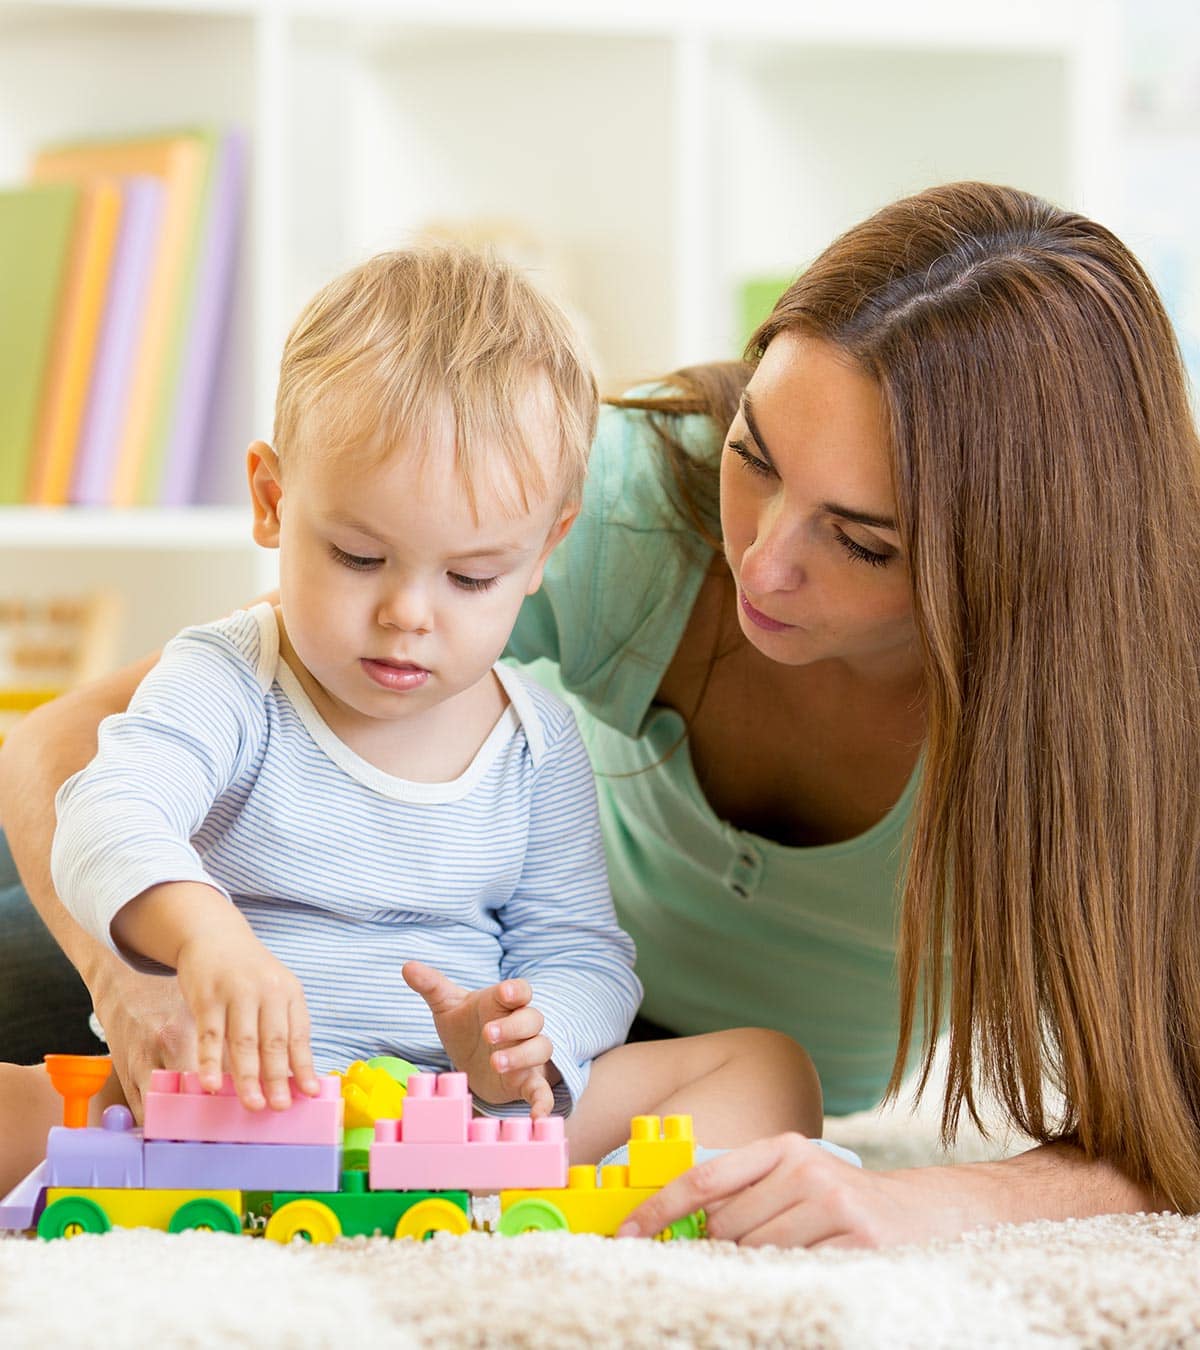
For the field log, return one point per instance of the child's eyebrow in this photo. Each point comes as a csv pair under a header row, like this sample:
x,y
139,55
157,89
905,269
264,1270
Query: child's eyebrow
x,y
488,551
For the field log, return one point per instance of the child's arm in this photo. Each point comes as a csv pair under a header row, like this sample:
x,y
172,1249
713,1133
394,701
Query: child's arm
x,y
492,1035
239,995
560,932
125,823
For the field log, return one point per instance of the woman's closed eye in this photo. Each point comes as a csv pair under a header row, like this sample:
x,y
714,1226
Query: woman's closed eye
x,y
756,466
859,553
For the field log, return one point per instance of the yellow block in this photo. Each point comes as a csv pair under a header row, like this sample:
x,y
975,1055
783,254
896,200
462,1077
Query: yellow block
x,y
142,1209
370,1095
654,1158
589,1208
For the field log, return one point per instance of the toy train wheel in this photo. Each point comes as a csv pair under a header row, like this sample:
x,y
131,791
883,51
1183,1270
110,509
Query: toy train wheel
x,y
533,1216
213,1216
687,1229
308,1220
432,1216
71,1216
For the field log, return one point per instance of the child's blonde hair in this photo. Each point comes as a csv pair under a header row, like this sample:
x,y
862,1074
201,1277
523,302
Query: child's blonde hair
x,y
379,351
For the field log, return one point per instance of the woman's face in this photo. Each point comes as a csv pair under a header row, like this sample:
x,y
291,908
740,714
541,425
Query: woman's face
x,y
808,514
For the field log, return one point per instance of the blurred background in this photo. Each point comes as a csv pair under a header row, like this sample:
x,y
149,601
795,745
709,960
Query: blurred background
x,y
179,177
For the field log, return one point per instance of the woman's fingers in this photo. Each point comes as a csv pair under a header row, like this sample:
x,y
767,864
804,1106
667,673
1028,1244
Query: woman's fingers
x,y
713,1180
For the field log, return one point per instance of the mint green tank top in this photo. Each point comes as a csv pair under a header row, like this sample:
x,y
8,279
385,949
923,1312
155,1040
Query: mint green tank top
x,y
731,929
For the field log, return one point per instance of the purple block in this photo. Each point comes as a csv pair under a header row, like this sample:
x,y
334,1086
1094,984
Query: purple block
x,y
247,1167
110,1155
22,1206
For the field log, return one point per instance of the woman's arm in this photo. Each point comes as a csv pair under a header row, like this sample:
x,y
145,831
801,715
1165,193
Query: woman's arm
x,y
143,1016
784,1192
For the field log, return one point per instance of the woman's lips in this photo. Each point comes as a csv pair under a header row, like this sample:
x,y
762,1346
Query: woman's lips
x,y
399,676
756,616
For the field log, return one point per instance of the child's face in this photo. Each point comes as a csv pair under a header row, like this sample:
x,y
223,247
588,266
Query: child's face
x,y
394,595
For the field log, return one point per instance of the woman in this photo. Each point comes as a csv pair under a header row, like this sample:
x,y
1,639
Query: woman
x,y
931,718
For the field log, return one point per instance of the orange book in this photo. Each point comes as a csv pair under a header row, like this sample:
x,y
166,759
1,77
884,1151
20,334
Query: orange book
x,y
181,162
69,371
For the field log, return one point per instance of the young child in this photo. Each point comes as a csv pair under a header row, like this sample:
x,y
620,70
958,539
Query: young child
x,y
339,821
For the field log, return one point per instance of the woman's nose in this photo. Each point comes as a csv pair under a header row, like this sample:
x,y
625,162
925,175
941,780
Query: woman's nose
x,y
773,560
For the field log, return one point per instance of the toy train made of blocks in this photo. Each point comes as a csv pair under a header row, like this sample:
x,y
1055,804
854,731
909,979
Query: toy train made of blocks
x,y
382,1150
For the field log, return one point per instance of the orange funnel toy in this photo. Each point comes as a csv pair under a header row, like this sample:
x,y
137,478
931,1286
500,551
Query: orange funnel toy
x,y
77,1078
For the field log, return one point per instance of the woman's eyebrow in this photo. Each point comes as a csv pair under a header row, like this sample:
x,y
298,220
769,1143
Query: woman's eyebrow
x,y
867,518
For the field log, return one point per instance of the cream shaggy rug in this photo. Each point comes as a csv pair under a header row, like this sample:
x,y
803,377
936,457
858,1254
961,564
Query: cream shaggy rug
x,y
1101,1282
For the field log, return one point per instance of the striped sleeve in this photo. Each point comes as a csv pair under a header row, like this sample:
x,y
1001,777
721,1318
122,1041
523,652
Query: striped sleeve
x,y
559,929
126,820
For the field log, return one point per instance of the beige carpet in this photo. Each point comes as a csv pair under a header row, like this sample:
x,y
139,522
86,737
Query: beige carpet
x,y
1102,1282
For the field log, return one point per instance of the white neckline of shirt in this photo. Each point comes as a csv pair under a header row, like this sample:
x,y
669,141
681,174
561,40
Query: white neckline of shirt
x,y
520,714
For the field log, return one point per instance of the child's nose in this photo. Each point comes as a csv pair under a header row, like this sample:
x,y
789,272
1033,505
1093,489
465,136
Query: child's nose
x,y
406,608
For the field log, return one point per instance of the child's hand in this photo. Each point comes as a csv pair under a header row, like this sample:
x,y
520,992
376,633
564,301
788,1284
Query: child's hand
x,y
243,998
492,1035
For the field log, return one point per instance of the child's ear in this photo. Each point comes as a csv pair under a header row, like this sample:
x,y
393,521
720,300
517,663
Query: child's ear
x,y
266,493
557,534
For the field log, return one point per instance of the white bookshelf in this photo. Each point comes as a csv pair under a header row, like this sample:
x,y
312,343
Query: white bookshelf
x,y
659,153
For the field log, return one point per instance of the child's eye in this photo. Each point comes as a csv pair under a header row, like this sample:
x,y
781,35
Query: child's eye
x,y
473,583
352,560
856,550
751,461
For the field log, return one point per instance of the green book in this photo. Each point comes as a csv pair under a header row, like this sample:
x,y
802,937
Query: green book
x,y
36,226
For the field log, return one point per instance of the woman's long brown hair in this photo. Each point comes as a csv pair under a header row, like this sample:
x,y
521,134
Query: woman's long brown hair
x,y
1047,480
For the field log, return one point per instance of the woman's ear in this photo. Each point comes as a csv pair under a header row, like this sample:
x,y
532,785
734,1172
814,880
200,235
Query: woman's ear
x,y
266,493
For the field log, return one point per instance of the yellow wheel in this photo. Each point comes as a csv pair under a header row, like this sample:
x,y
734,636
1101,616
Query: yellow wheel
x,y
533,1216
71,1216
308,1220
210,1215
432,1216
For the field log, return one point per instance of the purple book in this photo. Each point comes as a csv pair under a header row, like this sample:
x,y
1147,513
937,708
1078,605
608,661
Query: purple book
x,y
214,287
117,344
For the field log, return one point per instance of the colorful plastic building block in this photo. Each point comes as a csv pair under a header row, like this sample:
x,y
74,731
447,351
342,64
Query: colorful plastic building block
x,y
73,1210
177,1107
293,1167
355,1211
656,1157
371,1093
438,1144
108,1156
78,1078
21,1206
584,1207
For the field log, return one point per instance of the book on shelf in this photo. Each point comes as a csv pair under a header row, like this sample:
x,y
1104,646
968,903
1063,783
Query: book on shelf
x,y
36,225
181,162
116,351
73,351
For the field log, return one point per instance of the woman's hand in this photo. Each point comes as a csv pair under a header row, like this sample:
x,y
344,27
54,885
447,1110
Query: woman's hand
x,y
785,1192
146,1024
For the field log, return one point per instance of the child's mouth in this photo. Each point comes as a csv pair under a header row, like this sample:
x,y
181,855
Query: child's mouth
x,y
396,675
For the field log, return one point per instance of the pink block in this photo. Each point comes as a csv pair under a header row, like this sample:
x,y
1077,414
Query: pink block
x,y
437,1109
178,1108
526,1155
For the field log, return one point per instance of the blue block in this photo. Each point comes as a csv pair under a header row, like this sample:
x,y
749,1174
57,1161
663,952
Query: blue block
x,y
246,1167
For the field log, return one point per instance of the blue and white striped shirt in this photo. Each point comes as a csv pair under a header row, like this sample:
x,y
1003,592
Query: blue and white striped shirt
x,y
223,772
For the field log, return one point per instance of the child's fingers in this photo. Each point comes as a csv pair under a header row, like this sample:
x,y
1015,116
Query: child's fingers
x,y
518,1026
210,1045
274,1050
241,1035
498,1000
537,1091
442,994
527,1055
300,1048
